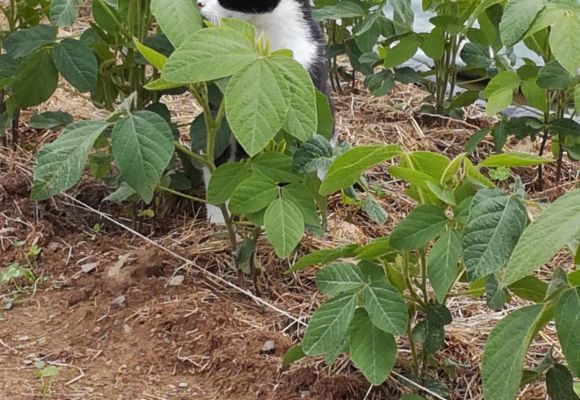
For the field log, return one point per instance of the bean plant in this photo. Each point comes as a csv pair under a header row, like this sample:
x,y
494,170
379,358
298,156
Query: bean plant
x,y
464,229
545,28
275,119
101,61
19,17
354,28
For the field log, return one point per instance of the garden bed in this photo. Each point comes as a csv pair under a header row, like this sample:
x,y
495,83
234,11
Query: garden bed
x,y
163,316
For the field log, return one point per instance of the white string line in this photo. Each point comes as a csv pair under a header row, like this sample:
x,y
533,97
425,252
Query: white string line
x,y
413,383
189,262
228,283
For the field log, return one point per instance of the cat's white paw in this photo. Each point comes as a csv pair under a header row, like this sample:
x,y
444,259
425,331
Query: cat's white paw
x,y
215,215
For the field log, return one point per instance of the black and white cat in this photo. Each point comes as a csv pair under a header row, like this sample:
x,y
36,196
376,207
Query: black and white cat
x,y
288,24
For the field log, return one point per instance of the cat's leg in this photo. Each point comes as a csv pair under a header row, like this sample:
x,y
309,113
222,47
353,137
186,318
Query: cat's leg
x,y
214,213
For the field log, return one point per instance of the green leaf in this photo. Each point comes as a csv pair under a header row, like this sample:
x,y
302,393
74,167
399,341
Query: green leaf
x,y
179,19
450,173
530,288
567,316
474,174
439,314
433,45
313,154
50,120
553,76
123,193
495,295
372,350
325,115
284,226
558,283
374,210
512,160
77,64
338,278
245,28
412,176
224,182
209,54
552,230
343,9
386,307
499,91
302,118
253,194
292,355
534,94
517,18
564,41
63,13
476,55
442,194
504,353
8,66
371,271
427,162
198,135
347,169
432,336
160,85
329,325
36,80
106,15
276,166
256,105
24,42
152,56
401,52
566,127
60,163
375,249
496,222
560,383
303,198
442,267
423,224
324,256
142,148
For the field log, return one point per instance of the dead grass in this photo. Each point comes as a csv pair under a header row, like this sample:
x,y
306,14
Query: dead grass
x,y
362,119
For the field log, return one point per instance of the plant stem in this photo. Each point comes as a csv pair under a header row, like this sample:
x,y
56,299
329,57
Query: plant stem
x,y
256,235
193,155
424,276
413,347
409,283
15,128
176,193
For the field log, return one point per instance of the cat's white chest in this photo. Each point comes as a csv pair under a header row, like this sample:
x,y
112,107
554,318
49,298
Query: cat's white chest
x,y
286,28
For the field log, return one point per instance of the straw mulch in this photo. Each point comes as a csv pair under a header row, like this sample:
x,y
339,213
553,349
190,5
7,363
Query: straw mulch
x,y
180,227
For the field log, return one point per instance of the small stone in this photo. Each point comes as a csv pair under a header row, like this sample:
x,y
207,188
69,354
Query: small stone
x,y
268,347
183,385
176,280
87,268
53,246
118,301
